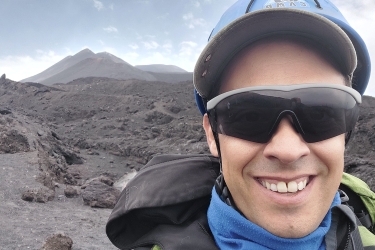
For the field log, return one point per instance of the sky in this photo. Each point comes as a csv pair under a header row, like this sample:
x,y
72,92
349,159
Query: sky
x,y
36,34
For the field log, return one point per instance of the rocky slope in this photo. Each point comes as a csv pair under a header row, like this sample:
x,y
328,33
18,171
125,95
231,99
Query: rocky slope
x,y
68,149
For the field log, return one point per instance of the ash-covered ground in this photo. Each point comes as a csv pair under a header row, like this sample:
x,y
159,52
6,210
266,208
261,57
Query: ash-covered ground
x,y
66,150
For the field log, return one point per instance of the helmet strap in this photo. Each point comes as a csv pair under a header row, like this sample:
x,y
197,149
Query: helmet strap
x,y
220,185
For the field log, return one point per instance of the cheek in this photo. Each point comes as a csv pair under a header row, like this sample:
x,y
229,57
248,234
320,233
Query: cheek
x,y
331,153
236,154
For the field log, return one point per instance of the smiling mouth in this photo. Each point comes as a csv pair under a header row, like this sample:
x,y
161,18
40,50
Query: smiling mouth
x,y
285,187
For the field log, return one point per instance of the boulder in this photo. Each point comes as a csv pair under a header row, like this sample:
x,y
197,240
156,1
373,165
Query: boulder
x,y
41,195
99,194
71,192
58,242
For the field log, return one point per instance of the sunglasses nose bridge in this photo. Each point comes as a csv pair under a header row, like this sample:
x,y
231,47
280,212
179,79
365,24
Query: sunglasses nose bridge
x,y
296,124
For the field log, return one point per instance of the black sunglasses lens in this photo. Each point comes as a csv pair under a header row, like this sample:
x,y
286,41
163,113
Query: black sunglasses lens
x,y
322,113
321,123
249,117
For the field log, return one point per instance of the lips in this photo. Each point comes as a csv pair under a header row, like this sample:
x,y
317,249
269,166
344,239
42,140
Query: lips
x,y
292,186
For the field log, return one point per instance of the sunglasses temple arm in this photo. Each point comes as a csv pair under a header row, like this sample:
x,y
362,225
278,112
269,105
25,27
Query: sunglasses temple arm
x,y
347,138
216,137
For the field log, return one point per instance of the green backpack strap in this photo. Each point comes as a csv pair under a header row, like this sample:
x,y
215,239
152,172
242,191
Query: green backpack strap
x,y
354,185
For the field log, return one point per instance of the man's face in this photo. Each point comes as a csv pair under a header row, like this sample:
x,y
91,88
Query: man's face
x,y
286,158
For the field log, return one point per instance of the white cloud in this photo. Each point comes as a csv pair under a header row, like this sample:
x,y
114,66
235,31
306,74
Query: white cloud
x,y
111,7
101,42
110,29
187,48
188,16
167,45
197,4
97,4
151,45
192,22
134,46
130,57
68,51
150,36
153,58
21,67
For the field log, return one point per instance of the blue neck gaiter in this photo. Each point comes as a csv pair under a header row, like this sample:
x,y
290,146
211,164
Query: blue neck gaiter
x,y
233,231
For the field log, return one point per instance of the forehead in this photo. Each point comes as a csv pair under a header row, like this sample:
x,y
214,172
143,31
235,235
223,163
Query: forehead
x,y
280,61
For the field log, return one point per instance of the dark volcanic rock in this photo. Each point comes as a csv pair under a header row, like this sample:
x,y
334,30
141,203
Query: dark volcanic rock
x,y
158,118
363,168
71,192
58,242
44,194
13,142
98,194
106,180
70,156
41,195
28,195
5,111
360,151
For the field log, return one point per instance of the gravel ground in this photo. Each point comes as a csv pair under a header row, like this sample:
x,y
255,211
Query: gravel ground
x,y
26,225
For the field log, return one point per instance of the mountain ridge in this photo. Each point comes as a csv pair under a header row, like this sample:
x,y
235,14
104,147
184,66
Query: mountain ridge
x,y
161,68
86,63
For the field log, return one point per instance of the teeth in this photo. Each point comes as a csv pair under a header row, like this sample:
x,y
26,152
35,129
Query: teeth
x,y
282,187
292,187
301,185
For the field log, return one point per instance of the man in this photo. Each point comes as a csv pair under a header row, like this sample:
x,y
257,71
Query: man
x,y
273,84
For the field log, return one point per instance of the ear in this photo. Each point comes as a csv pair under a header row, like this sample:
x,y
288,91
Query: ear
x,y
210,136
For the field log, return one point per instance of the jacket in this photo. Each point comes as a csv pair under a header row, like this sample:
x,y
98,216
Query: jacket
x,y
166,204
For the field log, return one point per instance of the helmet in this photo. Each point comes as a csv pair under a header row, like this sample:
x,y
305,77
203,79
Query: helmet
x,y
247,21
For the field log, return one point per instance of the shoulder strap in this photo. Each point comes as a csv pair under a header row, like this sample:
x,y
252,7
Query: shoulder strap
x,y
361,200
354,201
344,232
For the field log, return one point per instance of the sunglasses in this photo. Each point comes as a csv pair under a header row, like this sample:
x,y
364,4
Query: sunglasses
x,y
318,111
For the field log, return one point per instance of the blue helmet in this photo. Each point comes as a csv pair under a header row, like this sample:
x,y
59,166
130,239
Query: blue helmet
x,y
247,21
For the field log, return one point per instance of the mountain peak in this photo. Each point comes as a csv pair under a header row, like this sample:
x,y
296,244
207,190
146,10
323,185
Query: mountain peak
x,y
109,56
85,51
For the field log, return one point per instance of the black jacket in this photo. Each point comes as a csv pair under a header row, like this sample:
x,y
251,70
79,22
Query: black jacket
x,y
166,204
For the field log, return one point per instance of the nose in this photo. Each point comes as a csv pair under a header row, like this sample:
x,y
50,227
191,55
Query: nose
x,y
286,144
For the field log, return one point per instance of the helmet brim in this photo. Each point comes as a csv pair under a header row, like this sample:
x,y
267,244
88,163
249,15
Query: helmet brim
x,y
265,23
